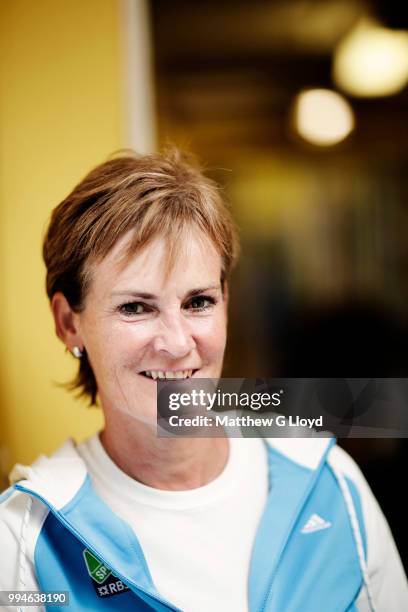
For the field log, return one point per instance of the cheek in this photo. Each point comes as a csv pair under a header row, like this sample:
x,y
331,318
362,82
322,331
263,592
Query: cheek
x,y
113,346
212,337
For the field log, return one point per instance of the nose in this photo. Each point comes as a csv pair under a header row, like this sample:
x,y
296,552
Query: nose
x,y
174,337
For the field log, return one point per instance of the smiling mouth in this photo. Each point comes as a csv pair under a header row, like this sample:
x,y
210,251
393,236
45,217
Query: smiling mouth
x,y
168,374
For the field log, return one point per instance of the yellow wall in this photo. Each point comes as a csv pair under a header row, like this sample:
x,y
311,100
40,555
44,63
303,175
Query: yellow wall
x,y
60,115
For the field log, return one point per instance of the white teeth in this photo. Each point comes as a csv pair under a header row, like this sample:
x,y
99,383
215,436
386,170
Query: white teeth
x,y
180,374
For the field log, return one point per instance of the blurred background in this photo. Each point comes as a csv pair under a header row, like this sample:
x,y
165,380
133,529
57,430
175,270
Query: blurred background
x,y
298,108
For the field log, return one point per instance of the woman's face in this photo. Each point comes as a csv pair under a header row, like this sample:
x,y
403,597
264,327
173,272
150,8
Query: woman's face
x,y
139,325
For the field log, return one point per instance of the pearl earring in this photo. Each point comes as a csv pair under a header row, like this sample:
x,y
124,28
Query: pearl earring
x,y
76,351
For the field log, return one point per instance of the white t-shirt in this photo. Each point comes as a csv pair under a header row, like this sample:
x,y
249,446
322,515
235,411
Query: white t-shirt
x,y
197,543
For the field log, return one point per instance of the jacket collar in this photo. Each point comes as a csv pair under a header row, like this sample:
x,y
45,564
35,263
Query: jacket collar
x,y
58,478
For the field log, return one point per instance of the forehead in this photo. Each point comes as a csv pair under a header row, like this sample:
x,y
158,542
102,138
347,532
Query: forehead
x,y
196,263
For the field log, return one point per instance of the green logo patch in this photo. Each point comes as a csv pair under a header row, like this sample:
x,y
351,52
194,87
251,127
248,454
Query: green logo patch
x,y
96,569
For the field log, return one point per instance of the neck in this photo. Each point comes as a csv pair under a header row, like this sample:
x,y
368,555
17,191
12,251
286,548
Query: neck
x,y
171,464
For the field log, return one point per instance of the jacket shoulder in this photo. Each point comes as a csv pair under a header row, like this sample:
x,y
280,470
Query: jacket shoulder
x,y
341,459
22,516
21,519
386,574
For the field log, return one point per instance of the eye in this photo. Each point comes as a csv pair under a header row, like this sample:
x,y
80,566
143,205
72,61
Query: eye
x,y
134,308
200,303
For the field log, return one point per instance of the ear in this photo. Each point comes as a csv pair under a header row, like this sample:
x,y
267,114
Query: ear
x,y
66,321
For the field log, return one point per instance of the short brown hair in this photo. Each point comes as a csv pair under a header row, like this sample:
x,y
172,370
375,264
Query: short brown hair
x,y
150,195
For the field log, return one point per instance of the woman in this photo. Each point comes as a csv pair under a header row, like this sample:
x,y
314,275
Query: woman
x,y
138,258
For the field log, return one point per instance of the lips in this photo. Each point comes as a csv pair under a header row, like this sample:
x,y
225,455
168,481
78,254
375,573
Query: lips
x,y
169,374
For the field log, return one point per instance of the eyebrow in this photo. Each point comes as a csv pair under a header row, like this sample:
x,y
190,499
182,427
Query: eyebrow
x,y
150,296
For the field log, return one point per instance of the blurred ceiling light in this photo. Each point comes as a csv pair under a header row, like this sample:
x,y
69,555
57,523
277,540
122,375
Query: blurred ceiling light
x,y
323,117
372,61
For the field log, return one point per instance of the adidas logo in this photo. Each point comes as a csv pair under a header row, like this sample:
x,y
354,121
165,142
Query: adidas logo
x,y
315,523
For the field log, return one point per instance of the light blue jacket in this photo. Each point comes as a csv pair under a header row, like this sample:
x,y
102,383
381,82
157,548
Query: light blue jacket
x,y
310,553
